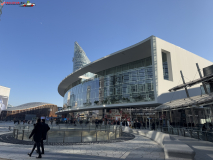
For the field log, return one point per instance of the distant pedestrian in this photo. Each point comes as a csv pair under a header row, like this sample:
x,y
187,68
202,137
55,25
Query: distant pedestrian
x,y
153,126
96,123
134,125
138,125
204,128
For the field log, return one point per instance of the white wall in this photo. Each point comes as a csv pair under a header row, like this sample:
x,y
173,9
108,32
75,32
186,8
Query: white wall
x,y
4,96
180,60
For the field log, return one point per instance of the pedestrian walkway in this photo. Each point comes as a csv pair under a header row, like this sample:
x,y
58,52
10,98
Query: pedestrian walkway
x,y
138,148
203,149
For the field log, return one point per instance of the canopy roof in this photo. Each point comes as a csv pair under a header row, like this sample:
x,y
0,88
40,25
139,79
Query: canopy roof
x,y
27,106
181,103
191,83
112,106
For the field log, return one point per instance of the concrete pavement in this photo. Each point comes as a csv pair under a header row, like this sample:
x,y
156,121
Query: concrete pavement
x,y
138,148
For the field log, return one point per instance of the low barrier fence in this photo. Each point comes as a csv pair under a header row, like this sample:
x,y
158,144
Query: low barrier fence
x,y
197,134
64,133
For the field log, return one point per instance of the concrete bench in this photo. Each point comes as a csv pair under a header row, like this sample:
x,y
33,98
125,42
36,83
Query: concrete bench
x,y
173,149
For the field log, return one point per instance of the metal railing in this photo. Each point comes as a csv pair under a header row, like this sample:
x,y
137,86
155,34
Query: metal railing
x,y
71,133
197,134
186,132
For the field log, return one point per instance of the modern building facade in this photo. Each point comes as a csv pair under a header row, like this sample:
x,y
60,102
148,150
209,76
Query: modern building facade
x,y
136,77
34,109
4,97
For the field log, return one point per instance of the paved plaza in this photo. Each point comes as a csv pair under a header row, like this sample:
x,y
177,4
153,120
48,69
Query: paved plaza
x,y
138,148
203,149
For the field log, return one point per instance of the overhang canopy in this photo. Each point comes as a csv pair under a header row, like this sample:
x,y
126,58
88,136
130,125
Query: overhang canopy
x,y
191,83
69,110
28,106
181,103
133,53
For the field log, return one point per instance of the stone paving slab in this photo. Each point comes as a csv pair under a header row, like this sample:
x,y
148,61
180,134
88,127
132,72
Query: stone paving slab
x,y
203,149
137,148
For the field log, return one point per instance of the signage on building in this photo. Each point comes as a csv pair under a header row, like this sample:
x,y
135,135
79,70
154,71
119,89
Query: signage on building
x,y
142,114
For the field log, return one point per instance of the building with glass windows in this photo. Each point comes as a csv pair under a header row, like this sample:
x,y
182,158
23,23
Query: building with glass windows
x,y
29,111
4,97
129,82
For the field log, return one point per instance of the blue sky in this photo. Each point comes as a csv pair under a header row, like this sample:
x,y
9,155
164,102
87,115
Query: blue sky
x,y
37,44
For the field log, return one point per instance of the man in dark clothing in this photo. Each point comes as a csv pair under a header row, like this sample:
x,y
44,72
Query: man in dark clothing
x,y
37,136
96,123
134,125
153,126
138,125
126,124
45,129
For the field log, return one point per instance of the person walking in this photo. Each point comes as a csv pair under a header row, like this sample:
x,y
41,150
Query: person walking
x,y
153,126
138,125
45,129
96,123
37,136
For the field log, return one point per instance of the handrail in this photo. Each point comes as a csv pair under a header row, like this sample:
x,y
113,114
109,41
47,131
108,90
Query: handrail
x,y
197,134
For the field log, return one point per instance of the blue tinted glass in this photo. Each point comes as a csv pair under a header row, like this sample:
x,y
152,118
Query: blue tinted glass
x,y
127,83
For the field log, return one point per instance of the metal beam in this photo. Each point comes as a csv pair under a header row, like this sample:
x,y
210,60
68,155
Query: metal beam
x,y
187,93
204,85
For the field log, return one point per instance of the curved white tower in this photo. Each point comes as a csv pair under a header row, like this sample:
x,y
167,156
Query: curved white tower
x,y
80,59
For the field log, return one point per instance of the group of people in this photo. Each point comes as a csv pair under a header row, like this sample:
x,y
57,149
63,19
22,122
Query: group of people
x,y
23,121
39,134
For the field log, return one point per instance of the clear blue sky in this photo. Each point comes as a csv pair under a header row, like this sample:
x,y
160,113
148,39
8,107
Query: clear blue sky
x,y
37,44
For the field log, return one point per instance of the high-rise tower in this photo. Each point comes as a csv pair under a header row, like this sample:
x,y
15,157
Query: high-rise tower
x,y
80,59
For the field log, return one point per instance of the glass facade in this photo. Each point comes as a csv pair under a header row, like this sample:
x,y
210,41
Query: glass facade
x,y
80,59
128,83
165,66
207,87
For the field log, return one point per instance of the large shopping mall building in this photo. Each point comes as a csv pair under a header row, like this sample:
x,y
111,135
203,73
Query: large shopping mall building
x,y
129,83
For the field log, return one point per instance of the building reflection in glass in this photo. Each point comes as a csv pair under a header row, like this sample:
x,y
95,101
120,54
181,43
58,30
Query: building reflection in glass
x,y
128,83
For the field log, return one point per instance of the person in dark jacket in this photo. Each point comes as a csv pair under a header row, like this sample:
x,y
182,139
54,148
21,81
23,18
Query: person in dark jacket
x,y
153,126
135,125
96,123
37,136
126,124
45,129
138,125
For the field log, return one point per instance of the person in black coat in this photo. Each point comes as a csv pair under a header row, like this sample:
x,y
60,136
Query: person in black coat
x,y
138,125
134,125
45,129
126,124
37,136
153,126
96,123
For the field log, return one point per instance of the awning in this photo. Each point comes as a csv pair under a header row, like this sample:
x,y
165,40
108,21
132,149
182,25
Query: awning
x,y
191,83
186,102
